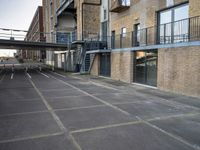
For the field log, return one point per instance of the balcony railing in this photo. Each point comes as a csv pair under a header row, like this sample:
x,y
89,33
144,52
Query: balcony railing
x,y
120,5
186,30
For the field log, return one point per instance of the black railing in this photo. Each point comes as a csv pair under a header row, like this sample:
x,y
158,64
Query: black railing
x,y
175,32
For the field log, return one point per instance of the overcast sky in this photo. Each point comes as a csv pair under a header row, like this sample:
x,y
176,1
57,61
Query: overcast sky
x,y
17,14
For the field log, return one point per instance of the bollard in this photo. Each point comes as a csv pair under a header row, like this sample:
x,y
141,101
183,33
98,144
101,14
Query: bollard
x,y
40,68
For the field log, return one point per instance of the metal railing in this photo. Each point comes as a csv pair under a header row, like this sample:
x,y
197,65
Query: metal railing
x,y
174,32
22,35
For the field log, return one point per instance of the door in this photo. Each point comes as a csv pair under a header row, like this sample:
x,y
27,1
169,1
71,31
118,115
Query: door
x,y
105,64
146,67
136,35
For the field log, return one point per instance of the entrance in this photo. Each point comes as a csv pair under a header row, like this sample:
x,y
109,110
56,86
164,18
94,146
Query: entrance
x,y
105,64
146,67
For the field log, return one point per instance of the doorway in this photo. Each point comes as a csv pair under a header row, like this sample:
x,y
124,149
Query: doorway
x,y
105,65
145,67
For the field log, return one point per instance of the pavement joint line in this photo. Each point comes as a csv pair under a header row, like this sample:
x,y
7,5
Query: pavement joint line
x,y
180,139
43,74
54,115
105,127
96,98
23,113
79,108
75,142
30,137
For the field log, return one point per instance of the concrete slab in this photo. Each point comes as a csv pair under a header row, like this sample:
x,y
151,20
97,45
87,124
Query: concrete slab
x,y
153,109
157,93
18,93
19,126
92,117
72,101
59,142
7,107
121,98
97,90
191,101
71,92
131,137
187,128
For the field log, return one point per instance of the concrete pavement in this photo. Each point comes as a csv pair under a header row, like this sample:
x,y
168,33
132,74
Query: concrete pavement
x,y
48,111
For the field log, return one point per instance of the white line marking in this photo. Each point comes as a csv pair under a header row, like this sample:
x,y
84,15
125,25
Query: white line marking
x,y
12,75
169,134
29,75
43,74
96,98
78,108
105,127
30,138
56,118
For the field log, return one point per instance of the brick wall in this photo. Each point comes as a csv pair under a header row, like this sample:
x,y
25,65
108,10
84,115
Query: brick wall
x,y
122,66
179,70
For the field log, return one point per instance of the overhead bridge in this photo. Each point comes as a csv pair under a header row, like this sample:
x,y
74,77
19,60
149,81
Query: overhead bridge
x,y
27,45
23,40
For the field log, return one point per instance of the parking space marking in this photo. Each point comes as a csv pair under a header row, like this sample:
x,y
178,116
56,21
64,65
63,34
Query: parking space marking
x,y
96,98
58,74
31,137
12,75
180,139
43,74
105,127
55,117
132,123
29,75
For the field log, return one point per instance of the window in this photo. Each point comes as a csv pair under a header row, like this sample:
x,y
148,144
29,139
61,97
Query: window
x,y
173,24
125,2
105,14
123,32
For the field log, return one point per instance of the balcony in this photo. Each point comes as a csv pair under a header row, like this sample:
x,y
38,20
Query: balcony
x,y
120,5
182,31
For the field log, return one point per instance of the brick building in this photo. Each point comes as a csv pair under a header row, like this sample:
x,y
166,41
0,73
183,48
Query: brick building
x,y
70,21
35,34
154,43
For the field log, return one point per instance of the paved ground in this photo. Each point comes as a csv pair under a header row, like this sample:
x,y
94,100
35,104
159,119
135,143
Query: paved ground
x,y
48,111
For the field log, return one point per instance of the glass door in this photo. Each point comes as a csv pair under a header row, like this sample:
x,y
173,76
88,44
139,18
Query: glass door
x,y
146,67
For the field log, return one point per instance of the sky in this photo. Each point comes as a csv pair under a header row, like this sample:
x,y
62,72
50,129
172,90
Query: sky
x,y
17,14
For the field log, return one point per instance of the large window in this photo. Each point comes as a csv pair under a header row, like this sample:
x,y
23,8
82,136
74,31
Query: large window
x,y
146,67
174,24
